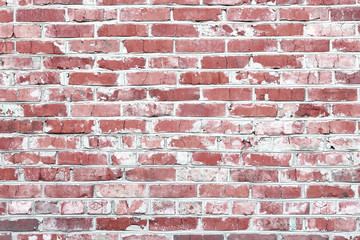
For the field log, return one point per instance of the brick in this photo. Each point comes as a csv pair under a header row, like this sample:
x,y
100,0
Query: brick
x,y
87,15
225,62
203,45
121,190
72,191
151,78
123,30
197,14
345,14
95,46
196,78
172,224
68,63
252,45
148,46
251,14
332,94
172,191
252,110
200,110
305,45
67,224
278,61
324,191
174,30
230,223
227,191
119,223
122,63
40,15
20,225
107,79
34,47
145,14
292,29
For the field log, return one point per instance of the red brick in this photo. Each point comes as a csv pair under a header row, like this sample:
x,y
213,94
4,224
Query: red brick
x,y
346,45
347,110
47,47
208,158
107,126
173,224
272,224
121,190
96,174
123,30
259,191
345,14
30,158
178,94
67,224
150,174
332,94
95,46
148,158
177,126
279,29
148,46
68,63
208,62
332,224
225,224
145,14
200,110
93,78
148,109
82,158
87,15
47,174
197,14
12,143
304,14
120,2
8,174
7,47
253,175
252,45
70,94
151,78
69,191
19,225
20,191
119,223
252,110
228,94
173,62
251,14
174,30
6,16
172,191
97,110
325,191
225,191
38,78
196,78
278,94
305,45
122,63
69,126
279,61
40,15
202,45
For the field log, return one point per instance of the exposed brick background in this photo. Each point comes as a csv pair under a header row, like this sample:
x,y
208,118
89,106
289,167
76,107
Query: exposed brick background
x,y
179,119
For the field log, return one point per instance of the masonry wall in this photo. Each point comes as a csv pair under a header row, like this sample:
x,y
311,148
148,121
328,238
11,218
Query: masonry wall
x,y
179,119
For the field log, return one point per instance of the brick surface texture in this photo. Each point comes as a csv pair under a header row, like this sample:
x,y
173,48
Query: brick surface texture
x,y
179,119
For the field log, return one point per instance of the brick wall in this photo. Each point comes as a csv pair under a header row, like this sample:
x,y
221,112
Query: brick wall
x,y
179,119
